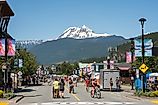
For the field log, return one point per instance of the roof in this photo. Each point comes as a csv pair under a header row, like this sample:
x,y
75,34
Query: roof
x,y
123,66
5,9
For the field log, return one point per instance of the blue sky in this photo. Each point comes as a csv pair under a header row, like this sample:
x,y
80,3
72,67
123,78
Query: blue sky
x,y
47,19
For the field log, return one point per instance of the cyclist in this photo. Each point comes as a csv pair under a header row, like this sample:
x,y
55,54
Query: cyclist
x,y
94,84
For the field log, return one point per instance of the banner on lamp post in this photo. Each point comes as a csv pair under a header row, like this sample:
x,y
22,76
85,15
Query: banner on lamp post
x,y
129,57
11,47
2,47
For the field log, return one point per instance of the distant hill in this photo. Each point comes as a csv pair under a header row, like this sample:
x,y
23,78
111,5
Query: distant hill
x,y
74,49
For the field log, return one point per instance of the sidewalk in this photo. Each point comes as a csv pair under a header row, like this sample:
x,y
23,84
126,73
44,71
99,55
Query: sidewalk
x,y
19,94
127,88
127,92
10,100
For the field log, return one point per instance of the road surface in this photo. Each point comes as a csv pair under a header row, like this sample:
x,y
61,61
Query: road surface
x,y
41,95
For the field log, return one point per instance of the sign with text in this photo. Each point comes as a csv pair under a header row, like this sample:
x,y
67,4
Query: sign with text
x,y
138,53
148,44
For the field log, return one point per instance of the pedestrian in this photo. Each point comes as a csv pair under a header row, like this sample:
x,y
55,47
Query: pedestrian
x,y
132,82
56,88
87,83
62,84
120,82
117,84
36,80
33,80
75,81
71,86
111,84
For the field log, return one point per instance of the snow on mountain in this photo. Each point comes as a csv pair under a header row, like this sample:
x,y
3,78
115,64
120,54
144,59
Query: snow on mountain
x,y
27,43
80,33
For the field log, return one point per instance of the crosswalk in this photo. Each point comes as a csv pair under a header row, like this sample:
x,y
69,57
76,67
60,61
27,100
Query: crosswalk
x,y
82,103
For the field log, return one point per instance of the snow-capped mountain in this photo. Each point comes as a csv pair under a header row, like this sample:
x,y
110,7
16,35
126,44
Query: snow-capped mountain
x,y
27,43
80,33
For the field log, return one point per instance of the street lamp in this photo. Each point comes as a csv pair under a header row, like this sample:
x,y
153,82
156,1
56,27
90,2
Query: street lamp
x,y
132,56
142,20
5,14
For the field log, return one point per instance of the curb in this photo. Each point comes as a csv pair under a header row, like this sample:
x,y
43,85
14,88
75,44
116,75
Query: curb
x,y
134,97
18,99
11,97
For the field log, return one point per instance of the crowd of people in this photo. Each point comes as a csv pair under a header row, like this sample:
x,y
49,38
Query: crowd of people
x,y
59,86
60,82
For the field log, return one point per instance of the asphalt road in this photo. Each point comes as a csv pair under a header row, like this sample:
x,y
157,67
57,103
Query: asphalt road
x,y
41,95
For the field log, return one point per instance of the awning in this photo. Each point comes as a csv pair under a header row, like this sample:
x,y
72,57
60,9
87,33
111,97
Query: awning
x,y
153,75
124,68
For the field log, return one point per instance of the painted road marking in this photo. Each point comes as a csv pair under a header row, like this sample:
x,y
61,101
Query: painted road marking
x,y
88,103
32,104
4,103
82,103
154,101
78,99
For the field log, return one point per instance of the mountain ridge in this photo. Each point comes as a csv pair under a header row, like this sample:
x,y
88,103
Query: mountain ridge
x,y
69,49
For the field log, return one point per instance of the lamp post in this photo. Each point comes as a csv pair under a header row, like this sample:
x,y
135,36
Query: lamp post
x,y
132,56
142,20
5,14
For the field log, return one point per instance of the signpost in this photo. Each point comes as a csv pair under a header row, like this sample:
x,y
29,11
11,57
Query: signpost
x,y
143,68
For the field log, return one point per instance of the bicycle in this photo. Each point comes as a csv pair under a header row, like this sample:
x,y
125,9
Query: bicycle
x,y
97,93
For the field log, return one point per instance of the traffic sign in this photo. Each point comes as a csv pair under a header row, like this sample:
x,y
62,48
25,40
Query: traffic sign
x,y
143,68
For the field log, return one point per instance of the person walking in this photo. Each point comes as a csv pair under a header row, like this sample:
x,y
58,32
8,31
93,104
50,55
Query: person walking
x,y
62,84
56,88
87,83
117,84
111,84
71,85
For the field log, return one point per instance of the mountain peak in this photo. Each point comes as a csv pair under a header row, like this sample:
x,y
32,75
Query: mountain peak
x,y
80,33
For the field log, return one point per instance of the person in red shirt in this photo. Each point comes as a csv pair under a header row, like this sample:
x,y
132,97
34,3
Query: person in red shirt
x,y
87,83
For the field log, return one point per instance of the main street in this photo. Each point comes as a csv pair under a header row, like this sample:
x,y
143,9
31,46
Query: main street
x,y
41,95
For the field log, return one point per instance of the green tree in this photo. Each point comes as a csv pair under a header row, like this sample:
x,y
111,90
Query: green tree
x,y
66,68
29,62
151,62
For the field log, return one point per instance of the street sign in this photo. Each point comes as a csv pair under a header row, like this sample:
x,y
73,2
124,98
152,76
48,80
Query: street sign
x,y
138,53
148,44
143,68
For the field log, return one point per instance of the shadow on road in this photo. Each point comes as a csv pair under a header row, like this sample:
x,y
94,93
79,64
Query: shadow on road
x,y
35,84
33,95
114,90
66,97
27,90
